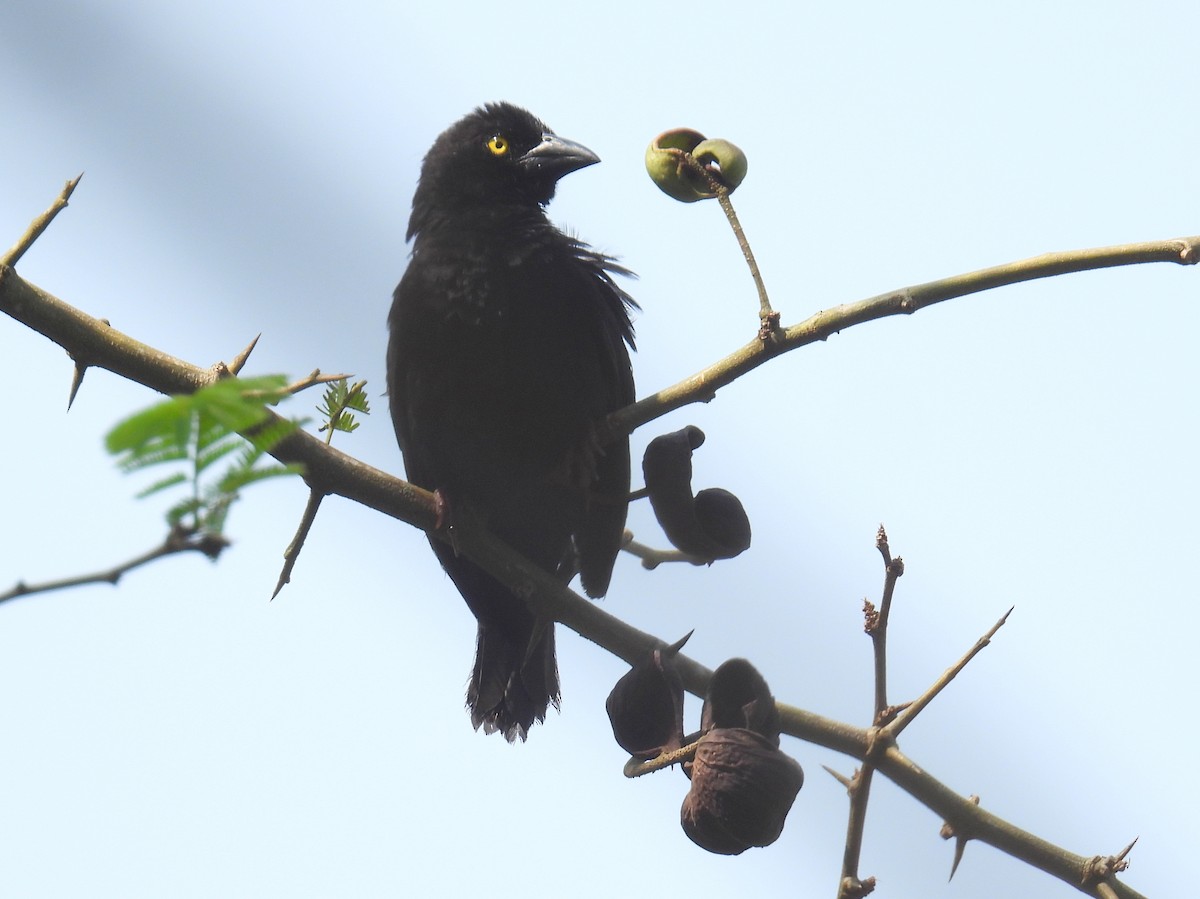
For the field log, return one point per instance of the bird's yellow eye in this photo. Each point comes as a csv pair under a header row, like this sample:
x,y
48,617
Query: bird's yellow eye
x,y
498,144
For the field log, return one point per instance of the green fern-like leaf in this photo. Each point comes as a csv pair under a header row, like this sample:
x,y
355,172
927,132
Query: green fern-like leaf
x,y
199,430
156,451
265,438
153,436
182,509
218,450
231,404
356,398
237,478
217,511
159,486
339,398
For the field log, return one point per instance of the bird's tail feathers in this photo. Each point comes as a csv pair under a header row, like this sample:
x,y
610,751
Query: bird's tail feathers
x,y
512,684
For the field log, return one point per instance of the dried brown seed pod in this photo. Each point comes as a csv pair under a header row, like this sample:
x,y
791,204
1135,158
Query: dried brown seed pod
x,y
742,789
645,707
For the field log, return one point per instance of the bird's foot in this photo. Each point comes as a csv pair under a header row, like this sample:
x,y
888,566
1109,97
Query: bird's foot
x,y
444,519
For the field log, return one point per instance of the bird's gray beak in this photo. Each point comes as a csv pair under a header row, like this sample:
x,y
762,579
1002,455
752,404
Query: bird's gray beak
x,y
556,156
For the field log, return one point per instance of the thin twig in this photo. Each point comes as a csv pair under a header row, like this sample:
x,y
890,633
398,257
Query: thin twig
x,y
292,553
703,385
40,224
915,708
179,540
652,558
312,379
860,787
636,767
315,377
877,622
856,825
765,313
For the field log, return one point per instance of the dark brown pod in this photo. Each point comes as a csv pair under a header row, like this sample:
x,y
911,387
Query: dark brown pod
x,y
738,696
645,708
711,525
742,790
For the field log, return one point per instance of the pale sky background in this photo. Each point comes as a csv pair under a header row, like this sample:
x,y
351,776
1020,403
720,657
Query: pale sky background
x,y
249,168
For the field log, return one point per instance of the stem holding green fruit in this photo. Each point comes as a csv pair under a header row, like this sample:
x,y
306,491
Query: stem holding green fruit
x,y
689,167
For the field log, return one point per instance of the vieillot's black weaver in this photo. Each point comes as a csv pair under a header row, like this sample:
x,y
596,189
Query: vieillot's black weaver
x,y
509,340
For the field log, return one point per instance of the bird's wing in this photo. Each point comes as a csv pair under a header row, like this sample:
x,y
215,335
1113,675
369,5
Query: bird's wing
x,y
600,537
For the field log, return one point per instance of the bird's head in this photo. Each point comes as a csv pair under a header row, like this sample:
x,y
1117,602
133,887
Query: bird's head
x,y
497,156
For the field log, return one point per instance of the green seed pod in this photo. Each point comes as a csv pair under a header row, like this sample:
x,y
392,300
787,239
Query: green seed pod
x,y
666,167
731,160
667,163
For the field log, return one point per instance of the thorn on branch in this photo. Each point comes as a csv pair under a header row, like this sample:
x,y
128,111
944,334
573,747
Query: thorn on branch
x,y
76,382
240,360
81,368
1099,869
960,846
847,782
948,832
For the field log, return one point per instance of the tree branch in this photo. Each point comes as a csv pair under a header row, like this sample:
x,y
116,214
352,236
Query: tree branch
x,y
106,347
179,540
701,386
914,708
40,224
850,886
93,342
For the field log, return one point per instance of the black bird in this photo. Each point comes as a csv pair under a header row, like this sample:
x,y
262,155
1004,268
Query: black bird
x,y
508,343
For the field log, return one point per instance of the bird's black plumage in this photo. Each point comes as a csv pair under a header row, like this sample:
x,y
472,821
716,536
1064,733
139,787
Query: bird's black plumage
x,y
509,341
